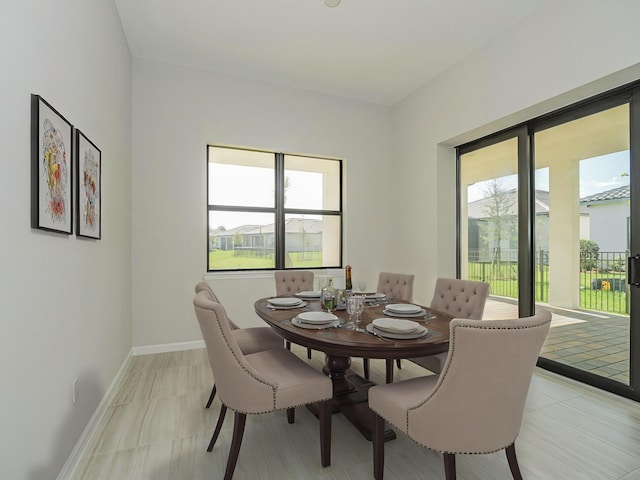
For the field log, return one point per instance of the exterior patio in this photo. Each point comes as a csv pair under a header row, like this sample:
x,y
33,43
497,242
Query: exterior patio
x,y
596,342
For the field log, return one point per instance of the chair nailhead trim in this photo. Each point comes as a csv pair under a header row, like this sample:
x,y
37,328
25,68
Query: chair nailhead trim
x,y
226,340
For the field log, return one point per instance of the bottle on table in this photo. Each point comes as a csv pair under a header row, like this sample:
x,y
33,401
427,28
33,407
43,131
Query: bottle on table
x,y
348,285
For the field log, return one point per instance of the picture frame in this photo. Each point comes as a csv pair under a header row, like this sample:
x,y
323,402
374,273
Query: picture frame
x,y
89,187
51,168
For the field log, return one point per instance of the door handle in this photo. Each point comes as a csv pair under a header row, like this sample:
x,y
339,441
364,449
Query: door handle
x,y
633,270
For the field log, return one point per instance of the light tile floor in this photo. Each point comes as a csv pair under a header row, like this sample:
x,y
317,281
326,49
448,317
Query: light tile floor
x,y
156,428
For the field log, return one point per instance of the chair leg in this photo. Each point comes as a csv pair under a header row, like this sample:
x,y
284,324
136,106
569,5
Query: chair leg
x,y
449,466
398,363
325,432
212,396
378,447
365,365
216,431
513,462
309,353
291,415
238,431
389,378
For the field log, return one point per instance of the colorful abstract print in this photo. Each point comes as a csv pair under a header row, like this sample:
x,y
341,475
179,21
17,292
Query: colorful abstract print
x,y
89,182
55,172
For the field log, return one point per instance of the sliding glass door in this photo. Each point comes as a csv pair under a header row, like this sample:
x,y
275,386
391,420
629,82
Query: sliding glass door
x,y
489,219
545,216
584,167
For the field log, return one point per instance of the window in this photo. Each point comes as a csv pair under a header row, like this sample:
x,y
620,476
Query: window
x,y
271,210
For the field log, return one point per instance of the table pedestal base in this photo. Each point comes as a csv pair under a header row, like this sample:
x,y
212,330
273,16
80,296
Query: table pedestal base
x,y
350,397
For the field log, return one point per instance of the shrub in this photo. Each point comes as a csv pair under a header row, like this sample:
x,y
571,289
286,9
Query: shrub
x,y
589,251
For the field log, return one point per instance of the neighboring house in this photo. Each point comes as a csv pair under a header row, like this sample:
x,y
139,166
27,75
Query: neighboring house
x,y
301,235
609,215
482,231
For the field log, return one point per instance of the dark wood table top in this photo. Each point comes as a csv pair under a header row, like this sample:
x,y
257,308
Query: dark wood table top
x,y
340,341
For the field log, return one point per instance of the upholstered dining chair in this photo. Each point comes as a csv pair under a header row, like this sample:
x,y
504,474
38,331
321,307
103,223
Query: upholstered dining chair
x,y
396,286
261,382
476,404
290,282
461,299
250,340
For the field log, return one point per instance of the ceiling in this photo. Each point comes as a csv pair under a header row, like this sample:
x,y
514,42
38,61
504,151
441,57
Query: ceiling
x,y
378,51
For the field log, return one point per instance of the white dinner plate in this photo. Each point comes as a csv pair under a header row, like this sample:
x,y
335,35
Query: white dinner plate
x,y
316,326
316,317
396,336
396,325
288,307
375,296
419,314
284,301
308,294
403,308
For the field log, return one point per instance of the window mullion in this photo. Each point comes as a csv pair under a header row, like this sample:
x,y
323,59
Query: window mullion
x,y
280,220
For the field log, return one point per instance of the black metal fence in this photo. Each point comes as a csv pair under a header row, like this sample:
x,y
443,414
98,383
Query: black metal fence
x,y
603,283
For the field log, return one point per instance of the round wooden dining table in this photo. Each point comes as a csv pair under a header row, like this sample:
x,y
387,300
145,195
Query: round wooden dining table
x,y
340,344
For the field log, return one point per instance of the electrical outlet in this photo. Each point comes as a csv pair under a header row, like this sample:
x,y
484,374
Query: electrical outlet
x,y
75,389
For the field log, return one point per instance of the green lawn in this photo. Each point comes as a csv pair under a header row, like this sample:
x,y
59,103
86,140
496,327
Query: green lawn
x,y
227,260
504,282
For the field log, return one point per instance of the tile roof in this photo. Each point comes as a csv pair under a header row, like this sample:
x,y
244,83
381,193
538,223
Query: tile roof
x,y
613,194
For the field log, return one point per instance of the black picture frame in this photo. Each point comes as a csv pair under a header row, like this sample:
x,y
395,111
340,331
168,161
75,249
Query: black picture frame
x,y
89,188
51,168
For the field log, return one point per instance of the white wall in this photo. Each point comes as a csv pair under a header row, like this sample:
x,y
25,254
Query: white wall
x,y
565,53
608,225
65,302
176,113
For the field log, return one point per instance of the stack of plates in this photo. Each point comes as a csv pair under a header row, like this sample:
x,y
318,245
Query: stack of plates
x,y
404,310
375,296
308,294
283,303
315,320
397,328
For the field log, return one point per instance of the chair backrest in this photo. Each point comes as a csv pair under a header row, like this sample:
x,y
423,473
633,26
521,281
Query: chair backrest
x,y
478,401
205,287
397,285
289,282
240,386
460,298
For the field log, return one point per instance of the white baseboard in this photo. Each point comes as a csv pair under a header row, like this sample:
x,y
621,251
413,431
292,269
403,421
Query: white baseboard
x,y
168,347
69,467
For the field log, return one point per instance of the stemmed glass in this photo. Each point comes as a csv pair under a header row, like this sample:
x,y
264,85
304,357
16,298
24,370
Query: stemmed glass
x,y
355,307
359,308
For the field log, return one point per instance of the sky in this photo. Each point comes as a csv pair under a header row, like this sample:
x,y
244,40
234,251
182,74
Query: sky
x,y
597,174
304,191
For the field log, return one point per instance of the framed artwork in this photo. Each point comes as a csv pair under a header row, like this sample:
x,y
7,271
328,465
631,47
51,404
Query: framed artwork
x,y
51,168
89,192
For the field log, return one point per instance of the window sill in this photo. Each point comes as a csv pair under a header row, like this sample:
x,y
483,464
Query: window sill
x,y
253,274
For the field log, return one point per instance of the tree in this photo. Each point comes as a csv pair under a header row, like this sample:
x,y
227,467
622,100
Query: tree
x,y
237,241
498,209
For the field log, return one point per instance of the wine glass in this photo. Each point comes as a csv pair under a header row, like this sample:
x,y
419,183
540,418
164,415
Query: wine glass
x,y
362,285
358,308
352,311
